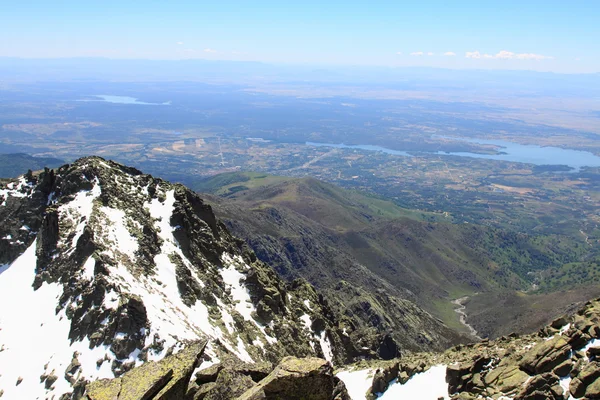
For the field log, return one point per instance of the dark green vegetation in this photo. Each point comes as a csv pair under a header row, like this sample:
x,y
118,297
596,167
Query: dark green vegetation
x,y
13,165
358,248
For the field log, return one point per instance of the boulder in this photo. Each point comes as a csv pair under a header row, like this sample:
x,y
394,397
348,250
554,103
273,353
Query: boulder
x,y
588,375
230,385
166,379
294,378
506,378
383,377
563,369
545,386
457,376
546,355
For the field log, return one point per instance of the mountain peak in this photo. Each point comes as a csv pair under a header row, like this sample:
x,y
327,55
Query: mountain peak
x,y
116,268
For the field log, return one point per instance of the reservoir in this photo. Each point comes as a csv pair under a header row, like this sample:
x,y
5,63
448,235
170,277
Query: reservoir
x,y
124,100
509,151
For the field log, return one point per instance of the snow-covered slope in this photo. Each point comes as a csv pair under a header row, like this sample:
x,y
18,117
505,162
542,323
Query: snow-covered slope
x,y
104,268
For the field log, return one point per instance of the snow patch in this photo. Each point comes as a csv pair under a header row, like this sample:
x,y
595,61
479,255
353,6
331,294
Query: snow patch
x,y
565,383
326,346
307,321
38,344
357,382
88,269
428,385
80,209
239,293
118,236
21,188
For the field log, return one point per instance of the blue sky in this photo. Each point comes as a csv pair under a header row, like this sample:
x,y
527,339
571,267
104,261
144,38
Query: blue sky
x,y
561,36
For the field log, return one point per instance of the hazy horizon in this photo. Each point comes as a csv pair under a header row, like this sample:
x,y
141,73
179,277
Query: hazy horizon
x,y
535,35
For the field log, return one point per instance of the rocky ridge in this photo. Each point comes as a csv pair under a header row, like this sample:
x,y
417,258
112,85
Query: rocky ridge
x,y
103,269
558,362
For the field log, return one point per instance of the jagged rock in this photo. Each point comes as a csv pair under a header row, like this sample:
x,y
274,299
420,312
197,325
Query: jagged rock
x,y
256,371
546,355
230,385
588,374
578,339
383,377
545,386
294,378
457,376
163,380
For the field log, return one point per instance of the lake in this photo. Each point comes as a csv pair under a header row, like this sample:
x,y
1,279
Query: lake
x,y
124,100
513,152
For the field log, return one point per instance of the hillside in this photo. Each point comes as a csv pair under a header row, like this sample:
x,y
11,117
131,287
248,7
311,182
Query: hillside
x,y
104,269
15,164
335,237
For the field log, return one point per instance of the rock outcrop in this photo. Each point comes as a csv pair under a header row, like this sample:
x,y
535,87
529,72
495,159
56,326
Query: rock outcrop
x,y
559,361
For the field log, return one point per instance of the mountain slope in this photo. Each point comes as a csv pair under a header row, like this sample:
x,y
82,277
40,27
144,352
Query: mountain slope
x,y
307,228
104,268
15,164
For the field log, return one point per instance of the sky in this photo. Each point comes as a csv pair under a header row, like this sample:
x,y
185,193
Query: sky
x,y
558,36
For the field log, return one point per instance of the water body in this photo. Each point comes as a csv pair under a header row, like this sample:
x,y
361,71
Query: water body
x,y
510,151
124,100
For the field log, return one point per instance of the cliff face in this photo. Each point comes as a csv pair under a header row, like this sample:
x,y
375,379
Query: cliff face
x,y
103,268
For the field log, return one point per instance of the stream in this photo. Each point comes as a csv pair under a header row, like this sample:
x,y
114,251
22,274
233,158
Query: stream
x,y
462,314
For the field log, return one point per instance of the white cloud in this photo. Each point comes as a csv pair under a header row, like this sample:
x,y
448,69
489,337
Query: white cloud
x,y
209,50
508,55
180,43
430,53
416,53
399,53
450,53
473,54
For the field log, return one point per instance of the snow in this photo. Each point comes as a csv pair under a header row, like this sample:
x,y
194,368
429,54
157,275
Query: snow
x,y
564,329
307,321
565,383
357,382
307,304
118,236
429,385
12,191
232,278
7,237
169,316
38,344
326,346
80,209
239,293
111,300
88,268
